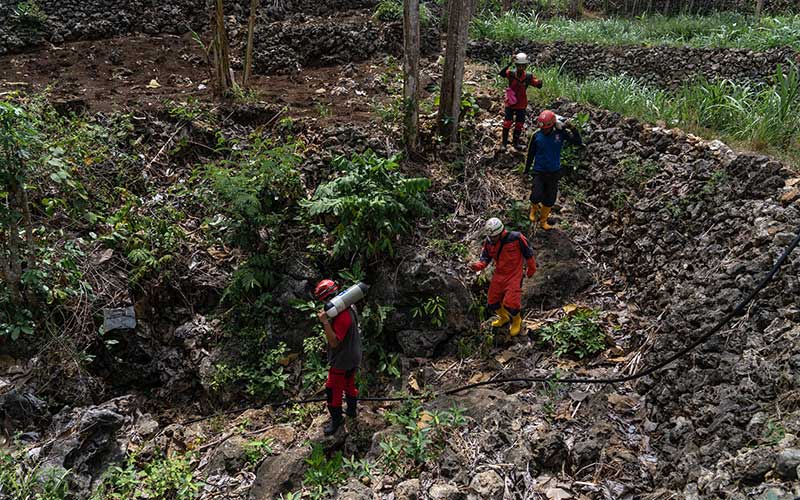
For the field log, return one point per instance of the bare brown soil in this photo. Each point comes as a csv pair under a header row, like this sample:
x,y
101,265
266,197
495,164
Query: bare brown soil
x,y
116,74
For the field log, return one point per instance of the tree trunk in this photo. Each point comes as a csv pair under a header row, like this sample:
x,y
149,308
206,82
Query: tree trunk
x,y
248,57
459,13
222,52
759,8
411,73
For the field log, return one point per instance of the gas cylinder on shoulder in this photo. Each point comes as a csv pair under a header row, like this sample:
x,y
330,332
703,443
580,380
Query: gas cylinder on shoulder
x,y
346,299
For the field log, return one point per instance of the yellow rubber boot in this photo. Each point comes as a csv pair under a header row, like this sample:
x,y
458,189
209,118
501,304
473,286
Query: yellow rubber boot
x,y
534,213
502,318
545,214
516,325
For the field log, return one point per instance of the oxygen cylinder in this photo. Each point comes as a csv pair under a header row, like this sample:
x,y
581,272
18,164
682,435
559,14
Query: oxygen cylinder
x,y
346,299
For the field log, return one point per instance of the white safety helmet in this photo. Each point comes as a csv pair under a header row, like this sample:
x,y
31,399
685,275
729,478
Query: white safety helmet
x,y
493,227
521,58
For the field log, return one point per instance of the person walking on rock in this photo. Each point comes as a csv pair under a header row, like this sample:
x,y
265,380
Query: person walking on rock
x,y
344,356
544,154
509,250
516,99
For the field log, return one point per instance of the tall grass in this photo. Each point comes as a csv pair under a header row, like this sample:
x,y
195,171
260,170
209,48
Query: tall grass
x,y
717,30
765,116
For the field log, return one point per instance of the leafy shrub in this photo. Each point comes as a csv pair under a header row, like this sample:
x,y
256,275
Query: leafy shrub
x,y
255,187
161,478
432,308
423,437
373,318
255,451
258,369
150,237
323,473
636,171
392,10
369,205
578,334
18,481
29,15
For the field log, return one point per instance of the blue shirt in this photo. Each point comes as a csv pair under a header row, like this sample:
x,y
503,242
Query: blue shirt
x,y
544,150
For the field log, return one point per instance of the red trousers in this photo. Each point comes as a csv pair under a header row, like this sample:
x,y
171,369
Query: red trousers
x,y
506,291
340,382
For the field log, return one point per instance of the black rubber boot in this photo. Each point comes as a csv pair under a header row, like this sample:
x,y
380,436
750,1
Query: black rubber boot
x,y
352,406
505,138
518,140
336,421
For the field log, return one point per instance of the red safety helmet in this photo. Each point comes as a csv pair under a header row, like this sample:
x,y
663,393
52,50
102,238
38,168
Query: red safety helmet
x,y
325,289
546,119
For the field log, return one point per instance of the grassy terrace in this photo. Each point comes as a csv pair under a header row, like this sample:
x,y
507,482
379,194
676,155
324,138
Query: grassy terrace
x,y
757,117
713,31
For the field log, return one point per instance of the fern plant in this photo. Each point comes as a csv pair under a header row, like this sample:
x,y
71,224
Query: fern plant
x,y
255,188
369,205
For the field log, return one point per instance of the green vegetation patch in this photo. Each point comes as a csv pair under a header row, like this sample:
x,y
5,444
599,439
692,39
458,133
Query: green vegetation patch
x,y
368,206
162,477
766,116
579,334
712,31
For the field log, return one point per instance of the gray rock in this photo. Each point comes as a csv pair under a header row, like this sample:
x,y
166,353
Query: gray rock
x,y
787,463
19,409
420,343
88,441
146,426
279,474
445,491
560,272
407,490
753,465
228,457
520,455
354,490
486,485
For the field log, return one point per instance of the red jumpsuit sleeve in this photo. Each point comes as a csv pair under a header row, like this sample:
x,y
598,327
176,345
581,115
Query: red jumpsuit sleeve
x,y
341,325
527,252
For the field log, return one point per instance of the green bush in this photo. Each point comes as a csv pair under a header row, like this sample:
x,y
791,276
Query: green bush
x,y
150,238
392,11
423,437
257,368
29,15
368,205
18,481
255,188
578,334
256,450
168,477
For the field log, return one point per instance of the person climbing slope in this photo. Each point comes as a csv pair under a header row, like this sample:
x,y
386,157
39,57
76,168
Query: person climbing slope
x,y
516,100
544,153
344,356
509,250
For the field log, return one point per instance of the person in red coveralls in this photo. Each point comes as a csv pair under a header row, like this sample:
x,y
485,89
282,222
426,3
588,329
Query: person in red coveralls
x,y
516,101
509,250
344,357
